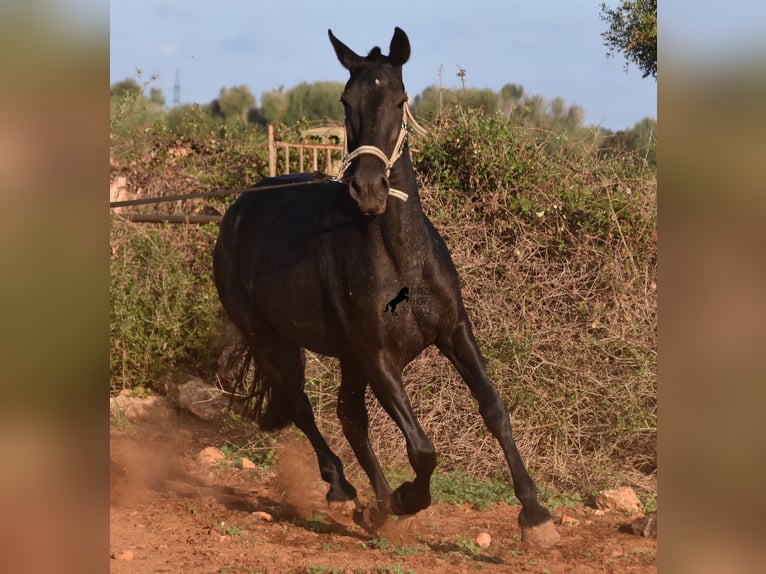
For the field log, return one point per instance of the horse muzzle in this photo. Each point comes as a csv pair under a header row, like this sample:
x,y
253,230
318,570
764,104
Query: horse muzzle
x,y
370,194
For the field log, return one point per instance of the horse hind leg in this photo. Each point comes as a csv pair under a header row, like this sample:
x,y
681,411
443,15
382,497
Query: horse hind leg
x,y
289,400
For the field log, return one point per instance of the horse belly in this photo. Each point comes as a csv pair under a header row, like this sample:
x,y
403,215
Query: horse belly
x,y
297,313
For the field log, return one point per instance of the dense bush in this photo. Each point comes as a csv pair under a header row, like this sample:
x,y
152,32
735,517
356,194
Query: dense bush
x,y
164,309
165,314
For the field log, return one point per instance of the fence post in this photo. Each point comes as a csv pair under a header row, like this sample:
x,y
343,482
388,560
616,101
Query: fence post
x,y
272,153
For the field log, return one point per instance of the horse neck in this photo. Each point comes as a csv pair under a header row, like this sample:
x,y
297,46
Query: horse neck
x,y
403,175
404,222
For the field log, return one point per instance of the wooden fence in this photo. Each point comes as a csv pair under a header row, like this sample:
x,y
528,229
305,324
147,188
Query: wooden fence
x,y
309,156
306,156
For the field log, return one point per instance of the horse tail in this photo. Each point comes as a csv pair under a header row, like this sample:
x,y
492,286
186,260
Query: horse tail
x,y
266,402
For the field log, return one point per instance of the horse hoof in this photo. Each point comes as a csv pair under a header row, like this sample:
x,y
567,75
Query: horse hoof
x,y
342,506
370,519
403,502
543,535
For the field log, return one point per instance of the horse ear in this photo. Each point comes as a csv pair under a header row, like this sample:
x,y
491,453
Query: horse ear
x,y
346,55
399,51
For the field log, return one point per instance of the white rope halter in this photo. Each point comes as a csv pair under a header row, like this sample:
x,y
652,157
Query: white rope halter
x,y
407,119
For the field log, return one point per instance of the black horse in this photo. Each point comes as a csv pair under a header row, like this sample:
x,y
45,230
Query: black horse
x,y
310,266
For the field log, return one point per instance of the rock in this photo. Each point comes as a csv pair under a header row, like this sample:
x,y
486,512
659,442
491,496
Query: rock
x,y
621,499
199,398
263,515
247,463
644,526
567,520
648,525
118,191
211,455
123,555
133,408
483,539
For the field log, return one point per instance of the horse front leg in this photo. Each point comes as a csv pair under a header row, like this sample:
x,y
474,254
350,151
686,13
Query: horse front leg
x,y
352,413
461,349
409,497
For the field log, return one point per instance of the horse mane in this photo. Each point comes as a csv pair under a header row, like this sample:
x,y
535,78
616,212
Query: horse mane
x,y
375,54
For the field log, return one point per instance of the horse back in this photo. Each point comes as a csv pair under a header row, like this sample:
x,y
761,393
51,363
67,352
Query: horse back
x,y
302,261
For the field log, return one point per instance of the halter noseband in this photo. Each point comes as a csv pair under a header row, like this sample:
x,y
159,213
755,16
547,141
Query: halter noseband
x,y
389,162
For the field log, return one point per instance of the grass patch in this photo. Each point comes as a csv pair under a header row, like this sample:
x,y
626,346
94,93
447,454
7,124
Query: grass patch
x,y
458,487
230,530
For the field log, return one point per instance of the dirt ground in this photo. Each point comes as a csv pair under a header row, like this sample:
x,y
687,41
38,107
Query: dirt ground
x,y
170,512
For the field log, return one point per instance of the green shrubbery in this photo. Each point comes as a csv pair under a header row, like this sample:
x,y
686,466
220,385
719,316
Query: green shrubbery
x,y
164,309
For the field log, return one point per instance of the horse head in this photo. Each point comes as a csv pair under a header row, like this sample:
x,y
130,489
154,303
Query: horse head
x,y
376,113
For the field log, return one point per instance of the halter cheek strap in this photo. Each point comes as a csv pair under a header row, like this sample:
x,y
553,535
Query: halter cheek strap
x,y
380,154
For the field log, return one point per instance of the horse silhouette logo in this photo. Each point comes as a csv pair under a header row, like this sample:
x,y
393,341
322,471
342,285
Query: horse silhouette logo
x,y
403,295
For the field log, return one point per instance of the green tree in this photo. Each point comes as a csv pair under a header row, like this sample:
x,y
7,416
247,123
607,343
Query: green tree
x,y
428,103
234,103
563,118
317,101
156,97
641,140
432,100
192,120
510,98
128,86
633,31
129,107
273,106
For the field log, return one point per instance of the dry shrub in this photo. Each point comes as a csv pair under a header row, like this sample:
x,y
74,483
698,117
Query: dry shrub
x,y
163,164
557,255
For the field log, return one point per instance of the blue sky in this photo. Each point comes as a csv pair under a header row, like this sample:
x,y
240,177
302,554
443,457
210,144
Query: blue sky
x,y
553,48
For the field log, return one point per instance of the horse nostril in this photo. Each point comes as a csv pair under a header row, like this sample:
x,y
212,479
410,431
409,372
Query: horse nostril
x,y
355,189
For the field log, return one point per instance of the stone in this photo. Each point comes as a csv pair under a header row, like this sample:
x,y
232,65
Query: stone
x,y
211,455
621,499
645,526
247,464
199,398
123,555
567,520
133,408
483,539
